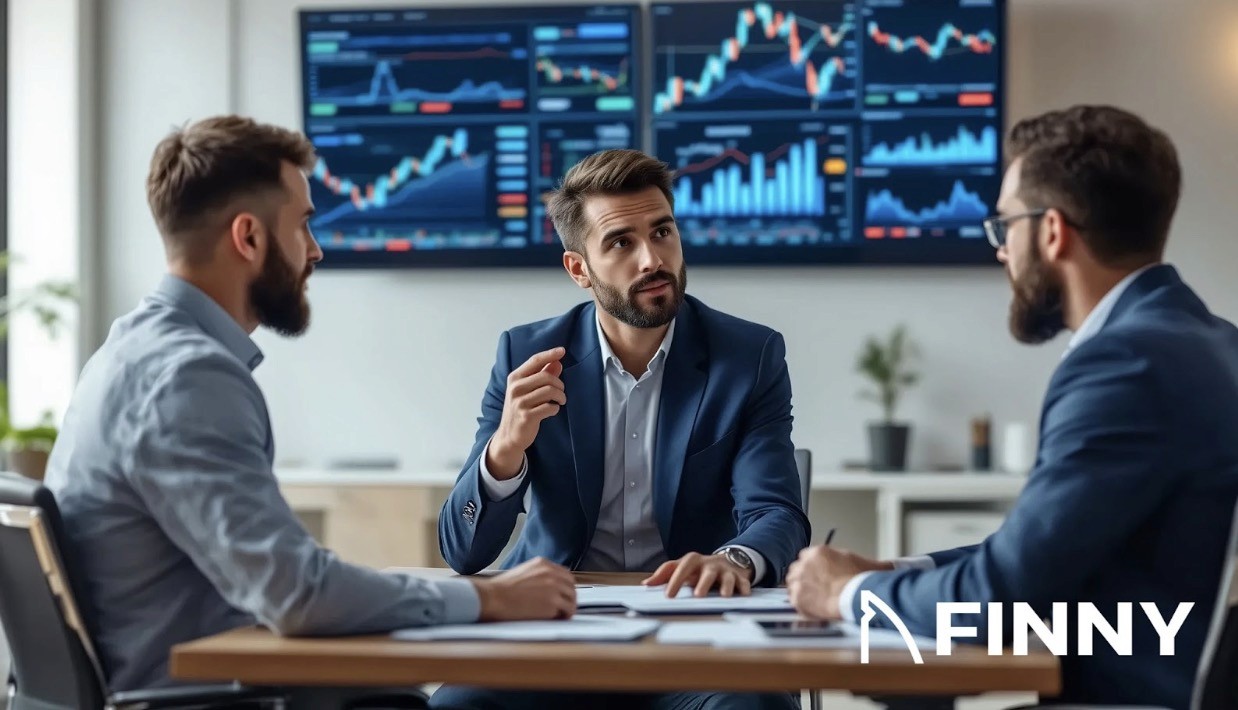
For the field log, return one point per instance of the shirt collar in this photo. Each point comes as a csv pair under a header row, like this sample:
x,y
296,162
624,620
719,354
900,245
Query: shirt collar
x,y
178,293
608,355
1096,319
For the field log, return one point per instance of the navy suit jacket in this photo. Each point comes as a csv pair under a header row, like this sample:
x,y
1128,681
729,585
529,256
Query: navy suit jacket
x,y
1131,498
723,463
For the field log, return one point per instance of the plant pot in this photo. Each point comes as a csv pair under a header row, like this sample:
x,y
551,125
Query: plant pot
x,y
888,446
31,463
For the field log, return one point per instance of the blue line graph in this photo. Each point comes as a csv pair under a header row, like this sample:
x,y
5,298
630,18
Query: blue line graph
x,y
383,88
375,194
766,80
884,208
458,189
963,148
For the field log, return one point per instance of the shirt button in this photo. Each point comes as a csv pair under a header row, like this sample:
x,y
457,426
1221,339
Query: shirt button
x,y
631,484
633,435
631,543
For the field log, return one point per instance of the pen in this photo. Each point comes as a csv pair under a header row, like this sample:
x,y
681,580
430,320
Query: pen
x,y
830,535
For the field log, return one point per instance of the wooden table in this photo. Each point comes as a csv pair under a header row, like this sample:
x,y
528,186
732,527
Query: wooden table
x,y
257,657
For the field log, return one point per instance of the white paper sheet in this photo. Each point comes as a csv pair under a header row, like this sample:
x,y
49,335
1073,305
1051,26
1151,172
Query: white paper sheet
x,y
581,627
653,600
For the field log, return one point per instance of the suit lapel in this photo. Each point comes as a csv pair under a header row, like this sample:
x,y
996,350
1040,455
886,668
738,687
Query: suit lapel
x,y
586,406
683,385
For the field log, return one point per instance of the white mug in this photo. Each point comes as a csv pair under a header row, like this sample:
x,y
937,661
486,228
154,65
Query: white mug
x,y
1018,448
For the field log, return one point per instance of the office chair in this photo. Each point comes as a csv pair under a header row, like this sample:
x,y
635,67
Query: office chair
x,y
803,464
1216,679
54,664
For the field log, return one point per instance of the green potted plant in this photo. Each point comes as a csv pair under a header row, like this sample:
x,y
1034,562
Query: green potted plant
x,y
887,366
26,448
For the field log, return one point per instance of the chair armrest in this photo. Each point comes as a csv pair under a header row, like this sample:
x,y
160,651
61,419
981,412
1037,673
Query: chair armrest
x,y
195,696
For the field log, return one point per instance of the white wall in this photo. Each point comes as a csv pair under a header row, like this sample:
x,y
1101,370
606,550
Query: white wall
x,y
395,362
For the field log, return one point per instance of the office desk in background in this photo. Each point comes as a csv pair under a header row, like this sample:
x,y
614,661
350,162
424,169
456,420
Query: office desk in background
x,y
258,657
390,518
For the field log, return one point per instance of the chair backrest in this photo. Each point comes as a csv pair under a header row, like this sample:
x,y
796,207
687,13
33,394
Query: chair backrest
x,y
53,660
803,464
1216,685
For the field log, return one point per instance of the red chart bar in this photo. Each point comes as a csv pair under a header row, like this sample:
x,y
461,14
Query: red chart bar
x,y
976,99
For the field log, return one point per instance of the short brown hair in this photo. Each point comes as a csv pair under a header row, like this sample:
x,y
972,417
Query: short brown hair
x,y
201,170
1113,176
610,172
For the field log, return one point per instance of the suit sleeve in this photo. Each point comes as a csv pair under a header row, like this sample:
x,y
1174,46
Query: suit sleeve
x,y
765,482
473,528
945,557
1105,438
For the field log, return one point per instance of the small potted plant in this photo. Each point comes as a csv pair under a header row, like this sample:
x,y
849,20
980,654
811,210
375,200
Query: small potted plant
x,y
887,365
26,450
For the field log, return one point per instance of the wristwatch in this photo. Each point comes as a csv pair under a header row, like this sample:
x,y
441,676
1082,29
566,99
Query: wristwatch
x,y
739,558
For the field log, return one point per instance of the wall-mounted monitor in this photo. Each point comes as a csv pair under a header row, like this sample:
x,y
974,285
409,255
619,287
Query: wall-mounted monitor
x,y
438,129
800,132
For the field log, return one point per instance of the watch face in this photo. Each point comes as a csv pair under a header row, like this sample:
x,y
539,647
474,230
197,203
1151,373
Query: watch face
x,y
739,557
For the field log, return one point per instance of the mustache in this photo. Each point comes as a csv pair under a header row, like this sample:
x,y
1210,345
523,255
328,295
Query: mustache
x,y
652,279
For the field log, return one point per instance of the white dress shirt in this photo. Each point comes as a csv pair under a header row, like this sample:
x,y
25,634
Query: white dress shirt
x,y
1091,325
626,538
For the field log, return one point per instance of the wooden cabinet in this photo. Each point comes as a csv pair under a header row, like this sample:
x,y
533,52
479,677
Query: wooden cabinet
x,y
373,525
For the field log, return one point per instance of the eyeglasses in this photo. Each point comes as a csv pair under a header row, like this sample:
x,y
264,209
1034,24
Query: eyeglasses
x,y
996,227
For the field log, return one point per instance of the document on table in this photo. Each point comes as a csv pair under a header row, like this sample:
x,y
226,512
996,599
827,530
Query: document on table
x,y
581,627
653,600
743,633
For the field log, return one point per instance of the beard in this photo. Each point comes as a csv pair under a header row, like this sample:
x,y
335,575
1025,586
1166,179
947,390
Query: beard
x,y
278,294
625,307
1036,313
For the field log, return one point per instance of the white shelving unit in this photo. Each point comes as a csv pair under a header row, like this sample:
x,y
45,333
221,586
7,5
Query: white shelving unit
x,y
892,495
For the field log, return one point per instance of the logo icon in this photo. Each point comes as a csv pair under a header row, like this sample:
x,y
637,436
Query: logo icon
x,y
868,600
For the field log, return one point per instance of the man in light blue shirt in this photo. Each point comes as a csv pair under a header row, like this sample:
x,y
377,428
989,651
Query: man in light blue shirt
x,y
163,469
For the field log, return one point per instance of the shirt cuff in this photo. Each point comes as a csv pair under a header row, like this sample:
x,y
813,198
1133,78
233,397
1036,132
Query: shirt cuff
x,y
758,562
461,605
846,598
914,562
497,490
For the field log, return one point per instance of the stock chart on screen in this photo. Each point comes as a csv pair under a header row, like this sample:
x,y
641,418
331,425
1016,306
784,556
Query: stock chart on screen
x,y
799,132
830,131
437,130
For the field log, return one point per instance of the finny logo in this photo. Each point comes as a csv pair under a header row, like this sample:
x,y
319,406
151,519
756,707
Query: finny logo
x,y
1025,620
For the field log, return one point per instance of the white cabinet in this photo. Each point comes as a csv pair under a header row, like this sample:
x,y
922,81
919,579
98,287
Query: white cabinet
x,y
934,530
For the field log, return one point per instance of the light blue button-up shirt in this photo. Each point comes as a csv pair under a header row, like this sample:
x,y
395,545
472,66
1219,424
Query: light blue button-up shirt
x,y
163,473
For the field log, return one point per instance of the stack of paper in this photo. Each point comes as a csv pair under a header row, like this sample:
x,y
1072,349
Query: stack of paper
x,y
578,628
653,600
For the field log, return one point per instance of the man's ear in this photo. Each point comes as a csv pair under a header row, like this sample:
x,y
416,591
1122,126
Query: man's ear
x,y
574,264
248,236
1056,236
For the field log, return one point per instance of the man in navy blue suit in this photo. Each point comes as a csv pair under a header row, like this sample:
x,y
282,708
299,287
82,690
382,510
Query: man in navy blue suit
x,y
1136,478
648,432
